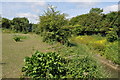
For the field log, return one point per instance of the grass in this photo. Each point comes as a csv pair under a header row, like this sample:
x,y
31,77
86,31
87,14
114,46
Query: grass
x,y
99,44
19,38
14,52
77,53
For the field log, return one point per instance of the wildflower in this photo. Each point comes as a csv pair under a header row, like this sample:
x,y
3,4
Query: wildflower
x,y
85,73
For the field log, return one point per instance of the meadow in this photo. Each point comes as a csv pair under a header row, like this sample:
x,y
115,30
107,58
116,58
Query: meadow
x,y
14,53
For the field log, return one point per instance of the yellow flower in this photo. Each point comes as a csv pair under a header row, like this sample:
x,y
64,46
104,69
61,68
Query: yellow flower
x,y
81,38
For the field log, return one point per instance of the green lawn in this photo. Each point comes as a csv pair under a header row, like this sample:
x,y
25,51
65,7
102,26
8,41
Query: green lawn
x,y
14,52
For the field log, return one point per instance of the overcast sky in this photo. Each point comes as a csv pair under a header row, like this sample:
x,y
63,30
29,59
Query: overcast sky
x,y
34,8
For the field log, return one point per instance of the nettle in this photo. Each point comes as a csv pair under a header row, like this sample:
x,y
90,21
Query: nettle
x,y
44,65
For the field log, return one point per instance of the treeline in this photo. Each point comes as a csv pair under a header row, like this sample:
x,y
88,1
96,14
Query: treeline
x,y
18,24
95,22
54,26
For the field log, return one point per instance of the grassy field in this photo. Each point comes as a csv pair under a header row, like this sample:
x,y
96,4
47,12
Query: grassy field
x,y
14,52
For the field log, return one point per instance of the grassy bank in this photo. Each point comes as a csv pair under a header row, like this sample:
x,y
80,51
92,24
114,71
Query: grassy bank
x,y
100,45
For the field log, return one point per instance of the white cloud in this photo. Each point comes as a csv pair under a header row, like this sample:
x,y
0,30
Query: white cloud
x,y
36,5
86,4
39,4
110,8
31,17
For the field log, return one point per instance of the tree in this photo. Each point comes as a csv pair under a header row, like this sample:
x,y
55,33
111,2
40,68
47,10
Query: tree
x,y
51,23
96,22
88,22
96,10
0,22
6,23
20,24
52,20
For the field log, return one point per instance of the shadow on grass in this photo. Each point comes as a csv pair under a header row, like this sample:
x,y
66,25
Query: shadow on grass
x,y
19,41
72,44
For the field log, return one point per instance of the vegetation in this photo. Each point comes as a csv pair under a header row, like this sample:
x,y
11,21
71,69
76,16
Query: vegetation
x,y
112,36
51,65
16,38
51,26
100,45
14,52
17,24
19,38
6,23
85,68
45,65
85,35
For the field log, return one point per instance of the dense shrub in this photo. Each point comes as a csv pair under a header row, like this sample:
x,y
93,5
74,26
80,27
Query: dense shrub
x,y
20,24
85,67
44,65
6,23
51,65
111,36
17,38
78,29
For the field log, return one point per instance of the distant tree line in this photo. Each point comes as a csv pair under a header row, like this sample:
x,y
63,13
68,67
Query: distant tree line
x,y
54,26
18,24
95,22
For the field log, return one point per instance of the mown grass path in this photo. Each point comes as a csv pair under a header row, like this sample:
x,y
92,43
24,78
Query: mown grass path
x,y
112,69
13,53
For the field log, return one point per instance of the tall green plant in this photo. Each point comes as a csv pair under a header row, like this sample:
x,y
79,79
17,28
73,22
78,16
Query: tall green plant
x,y
50,26
111,36
44,65
20,24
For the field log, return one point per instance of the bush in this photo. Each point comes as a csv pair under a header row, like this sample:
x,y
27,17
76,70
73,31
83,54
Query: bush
x,y
78,30
111,36
44,65
51,65
17,38
84,67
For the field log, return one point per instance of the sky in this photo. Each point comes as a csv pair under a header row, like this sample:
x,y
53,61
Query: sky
x,y
32,9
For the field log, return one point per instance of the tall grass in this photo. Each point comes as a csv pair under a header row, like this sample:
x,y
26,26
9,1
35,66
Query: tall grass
x,y
100,45
82,63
